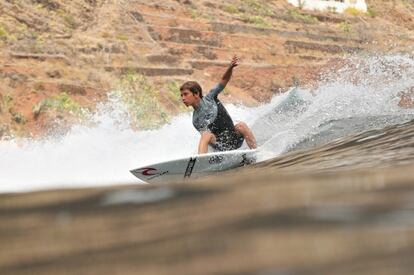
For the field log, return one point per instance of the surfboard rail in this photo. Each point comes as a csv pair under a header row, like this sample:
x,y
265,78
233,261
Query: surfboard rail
x,y
194,166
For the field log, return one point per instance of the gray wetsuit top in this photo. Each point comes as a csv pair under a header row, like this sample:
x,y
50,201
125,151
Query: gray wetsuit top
x,y
206,112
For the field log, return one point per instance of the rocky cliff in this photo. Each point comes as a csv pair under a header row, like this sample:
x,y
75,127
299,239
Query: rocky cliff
x,y
58,58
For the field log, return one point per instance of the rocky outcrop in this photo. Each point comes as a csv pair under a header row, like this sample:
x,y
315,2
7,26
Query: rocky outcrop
x,y
46,44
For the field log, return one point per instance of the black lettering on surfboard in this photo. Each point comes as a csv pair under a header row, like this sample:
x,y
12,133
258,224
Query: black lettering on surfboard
x,y
190,167
215,159
158,175
244,160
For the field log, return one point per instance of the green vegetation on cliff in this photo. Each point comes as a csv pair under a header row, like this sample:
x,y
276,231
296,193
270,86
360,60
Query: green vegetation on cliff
x,y
142,100
61,103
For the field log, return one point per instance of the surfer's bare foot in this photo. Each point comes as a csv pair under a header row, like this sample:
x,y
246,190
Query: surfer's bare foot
x,y
245,131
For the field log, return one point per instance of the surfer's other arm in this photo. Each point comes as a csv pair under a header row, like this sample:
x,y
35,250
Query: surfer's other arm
x,y
227,75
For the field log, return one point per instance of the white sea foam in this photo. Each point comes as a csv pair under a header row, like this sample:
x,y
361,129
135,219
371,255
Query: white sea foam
x,y
103,152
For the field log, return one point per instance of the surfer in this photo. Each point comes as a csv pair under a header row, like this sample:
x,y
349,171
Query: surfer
x,y
212,120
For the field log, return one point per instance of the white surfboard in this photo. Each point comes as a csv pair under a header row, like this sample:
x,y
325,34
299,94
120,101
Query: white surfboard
x,y
194,166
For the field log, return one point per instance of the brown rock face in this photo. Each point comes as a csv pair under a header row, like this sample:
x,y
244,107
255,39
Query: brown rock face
x,y
48,47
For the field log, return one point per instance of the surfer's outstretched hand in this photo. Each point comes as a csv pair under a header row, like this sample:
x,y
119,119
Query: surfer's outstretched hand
x,y
235,61
227,75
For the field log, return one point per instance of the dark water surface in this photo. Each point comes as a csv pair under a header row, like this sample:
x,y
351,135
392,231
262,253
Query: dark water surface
x,y
390,146
346,207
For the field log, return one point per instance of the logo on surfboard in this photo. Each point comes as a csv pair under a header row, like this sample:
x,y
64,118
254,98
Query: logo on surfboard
x,y
150,172
216,159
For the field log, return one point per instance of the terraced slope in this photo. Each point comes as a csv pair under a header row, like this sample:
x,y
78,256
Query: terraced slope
x,y
60,57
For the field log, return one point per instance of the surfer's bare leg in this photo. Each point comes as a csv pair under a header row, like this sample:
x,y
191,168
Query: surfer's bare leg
x,y
205,139
245,131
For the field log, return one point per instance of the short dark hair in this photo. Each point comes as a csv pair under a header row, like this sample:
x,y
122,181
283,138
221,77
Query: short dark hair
x,y
193,86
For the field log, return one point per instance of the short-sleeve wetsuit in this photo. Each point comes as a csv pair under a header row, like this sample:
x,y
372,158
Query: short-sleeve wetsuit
x,y
211,116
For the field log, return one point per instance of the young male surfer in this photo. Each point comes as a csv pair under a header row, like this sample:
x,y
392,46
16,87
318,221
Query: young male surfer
x,y
211,119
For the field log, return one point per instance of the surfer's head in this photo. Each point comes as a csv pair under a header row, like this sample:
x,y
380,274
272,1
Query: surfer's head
x,y
191,93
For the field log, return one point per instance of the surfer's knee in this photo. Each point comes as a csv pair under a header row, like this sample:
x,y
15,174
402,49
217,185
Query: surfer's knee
x,y
248,135
207,137
241,127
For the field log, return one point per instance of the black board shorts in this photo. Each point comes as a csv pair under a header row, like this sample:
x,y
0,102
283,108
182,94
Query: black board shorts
x,y
228,141
223,129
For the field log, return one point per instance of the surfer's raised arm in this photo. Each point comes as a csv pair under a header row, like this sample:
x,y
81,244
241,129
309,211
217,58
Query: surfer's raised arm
x,y
227,75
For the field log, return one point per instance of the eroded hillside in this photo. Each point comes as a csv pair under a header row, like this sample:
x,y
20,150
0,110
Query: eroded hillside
x,y
58,58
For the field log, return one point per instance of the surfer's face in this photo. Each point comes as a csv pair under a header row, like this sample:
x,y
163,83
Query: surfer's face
x,y
189,99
